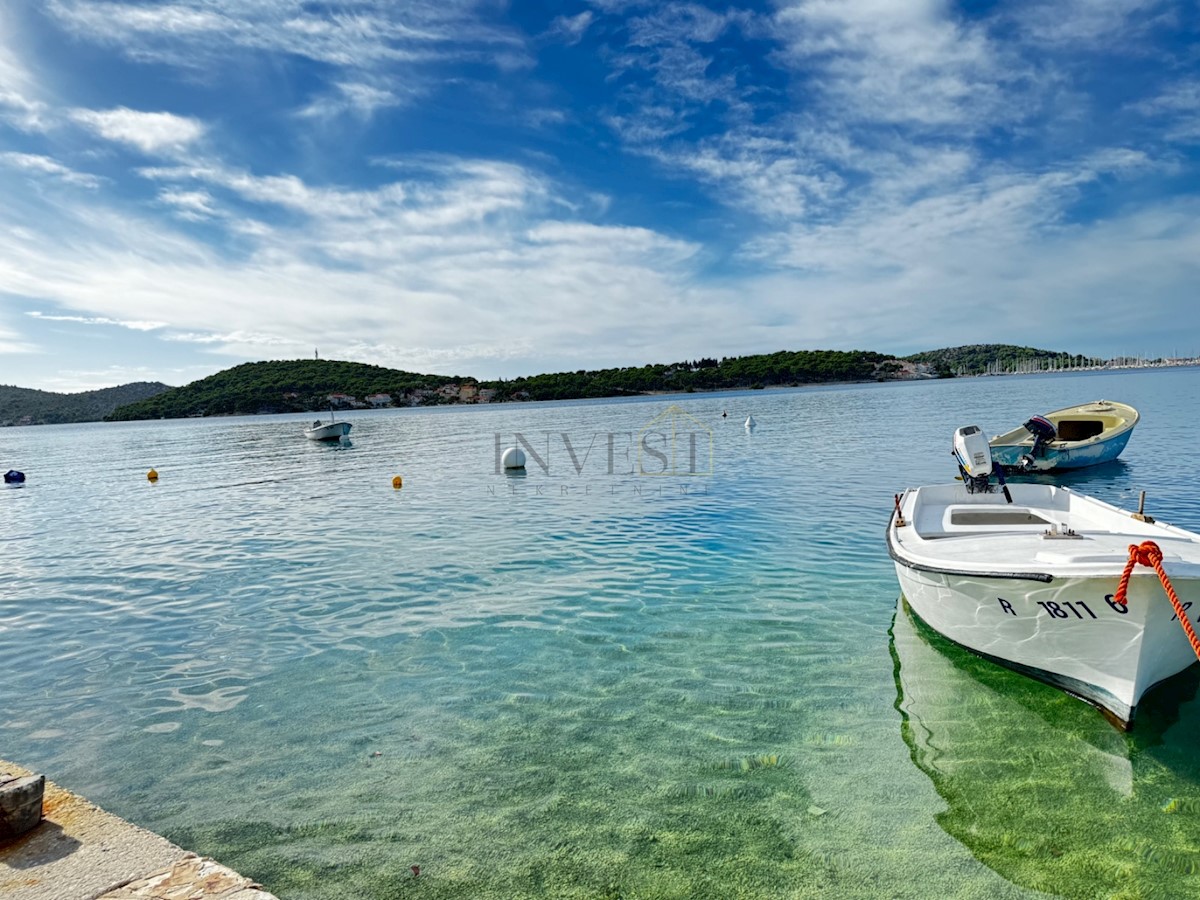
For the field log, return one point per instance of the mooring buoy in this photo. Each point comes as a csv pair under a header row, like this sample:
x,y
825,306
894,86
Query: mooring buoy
x,y
513,458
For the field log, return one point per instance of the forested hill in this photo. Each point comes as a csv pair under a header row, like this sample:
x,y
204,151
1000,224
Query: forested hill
x,y
976,359
311,385
288,386
315,385
25,406
761,370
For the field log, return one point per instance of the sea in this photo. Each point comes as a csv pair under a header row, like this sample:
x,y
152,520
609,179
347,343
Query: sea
x,y
668,659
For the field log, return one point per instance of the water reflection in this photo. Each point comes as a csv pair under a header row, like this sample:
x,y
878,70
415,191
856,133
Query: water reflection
x,y
1039,786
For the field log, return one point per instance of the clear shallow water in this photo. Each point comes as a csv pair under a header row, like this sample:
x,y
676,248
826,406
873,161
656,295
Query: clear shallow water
x,y
574,683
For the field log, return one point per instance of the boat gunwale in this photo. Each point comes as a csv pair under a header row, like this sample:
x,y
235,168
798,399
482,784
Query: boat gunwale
x,y
894,553
913,556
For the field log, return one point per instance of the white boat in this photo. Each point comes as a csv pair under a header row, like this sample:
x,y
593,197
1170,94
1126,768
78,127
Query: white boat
x,y
327,431
1070,438
1029,578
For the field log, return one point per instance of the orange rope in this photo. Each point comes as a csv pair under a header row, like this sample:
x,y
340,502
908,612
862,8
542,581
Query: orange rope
x,y
1148,554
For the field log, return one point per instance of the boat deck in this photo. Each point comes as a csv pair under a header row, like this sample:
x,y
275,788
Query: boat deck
x,y
1051,529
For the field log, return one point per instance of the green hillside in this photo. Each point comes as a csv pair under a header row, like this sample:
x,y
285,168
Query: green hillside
x,y
285,386
25,406
308,385
978,359
761,370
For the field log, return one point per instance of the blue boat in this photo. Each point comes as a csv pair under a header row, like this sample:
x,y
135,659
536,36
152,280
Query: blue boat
x,y
1070,438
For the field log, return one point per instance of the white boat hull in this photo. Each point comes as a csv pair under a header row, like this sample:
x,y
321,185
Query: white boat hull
x,y
1041,603
333,431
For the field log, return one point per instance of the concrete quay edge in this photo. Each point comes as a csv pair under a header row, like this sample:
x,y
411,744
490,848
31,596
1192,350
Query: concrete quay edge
x,y
81,852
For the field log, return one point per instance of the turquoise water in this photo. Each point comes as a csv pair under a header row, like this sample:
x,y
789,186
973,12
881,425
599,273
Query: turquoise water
x,y
576,682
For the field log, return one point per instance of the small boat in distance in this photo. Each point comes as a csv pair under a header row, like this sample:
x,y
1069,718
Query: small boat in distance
x,y
1068,438
1044,580
327,431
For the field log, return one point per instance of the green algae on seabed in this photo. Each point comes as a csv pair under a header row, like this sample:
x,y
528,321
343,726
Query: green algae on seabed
x,y
1039,786
609,785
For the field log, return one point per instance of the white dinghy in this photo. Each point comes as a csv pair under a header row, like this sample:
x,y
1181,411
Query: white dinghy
x,y
332,430
1053,583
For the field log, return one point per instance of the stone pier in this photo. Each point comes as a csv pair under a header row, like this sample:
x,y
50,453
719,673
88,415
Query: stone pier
x,y
80,852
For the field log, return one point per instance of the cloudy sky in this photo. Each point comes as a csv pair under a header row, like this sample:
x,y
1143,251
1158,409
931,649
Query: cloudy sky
x,y
483,188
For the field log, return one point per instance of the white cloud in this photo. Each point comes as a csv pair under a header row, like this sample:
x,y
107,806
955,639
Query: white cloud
x,y
44,165
360,34
150,132
1079,24
22,113
994,216
907,62
771,177
97,320
469,260
236,338
454,194
356,98
20,105
13,343
75,380
107,19
195,206
571,29
673,44
1177,105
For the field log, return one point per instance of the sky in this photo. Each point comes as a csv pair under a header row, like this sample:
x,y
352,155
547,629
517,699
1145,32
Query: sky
x,y
491,189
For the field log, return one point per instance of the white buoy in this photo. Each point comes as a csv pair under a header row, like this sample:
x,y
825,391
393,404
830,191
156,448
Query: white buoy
x,y
513,458
750,423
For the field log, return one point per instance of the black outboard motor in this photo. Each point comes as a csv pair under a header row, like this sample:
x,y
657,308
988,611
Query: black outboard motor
x,y
974,458
1043,432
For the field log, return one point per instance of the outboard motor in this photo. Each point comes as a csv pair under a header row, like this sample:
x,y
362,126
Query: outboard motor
x,y
1043,432
974,458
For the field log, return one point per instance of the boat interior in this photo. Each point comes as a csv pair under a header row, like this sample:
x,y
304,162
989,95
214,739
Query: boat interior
x,y
1081,429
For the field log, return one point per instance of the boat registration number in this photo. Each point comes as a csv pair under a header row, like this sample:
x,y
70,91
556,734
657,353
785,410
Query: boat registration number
x,y
1077,609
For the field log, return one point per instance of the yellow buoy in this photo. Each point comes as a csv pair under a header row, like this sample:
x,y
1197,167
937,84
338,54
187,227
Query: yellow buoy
x,y
397,482
152,475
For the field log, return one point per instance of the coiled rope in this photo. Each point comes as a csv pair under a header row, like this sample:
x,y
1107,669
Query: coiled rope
x,y
1148,554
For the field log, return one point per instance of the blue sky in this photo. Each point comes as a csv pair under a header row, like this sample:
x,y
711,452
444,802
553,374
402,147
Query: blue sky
x,y
492,189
